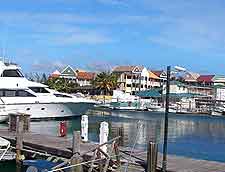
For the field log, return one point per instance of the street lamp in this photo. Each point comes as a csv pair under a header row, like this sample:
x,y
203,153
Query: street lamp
x,y
177,69
164,163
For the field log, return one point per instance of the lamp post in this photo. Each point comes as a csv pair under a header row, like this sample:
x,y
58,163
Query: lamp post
x,y
164,163
177,69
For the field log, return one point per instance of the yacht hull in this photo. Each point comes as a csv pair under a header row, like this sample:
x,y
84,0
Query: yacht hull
x,y
50,110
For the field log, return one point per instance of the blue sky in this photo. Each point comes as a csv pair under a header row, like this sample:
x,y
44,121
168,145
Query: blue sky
x,y
41,35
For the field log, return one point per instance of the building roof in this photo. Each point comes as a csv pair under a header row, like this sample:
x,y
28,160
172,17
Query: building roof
x,y
154,93
86,75
205,78
219,78
56,73
152,75
159,73
128,69
191,77
68,71
79,70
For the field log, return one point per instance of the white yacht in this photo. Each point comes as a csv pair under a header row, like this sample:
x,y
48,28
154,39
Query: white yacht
x,y
21,95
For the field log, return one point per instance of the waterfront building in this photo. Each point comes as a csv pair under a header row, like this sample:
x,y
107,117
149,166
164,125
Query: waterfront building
x,y
55,74
205,80
85,78
162,75
69,73
81,77
191,78
132,78
219,92
218,80
153,80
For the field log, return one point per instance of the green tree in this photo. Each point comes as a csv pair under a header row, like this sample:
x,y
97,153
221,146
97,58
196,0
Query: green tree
x,y
105,82
61,84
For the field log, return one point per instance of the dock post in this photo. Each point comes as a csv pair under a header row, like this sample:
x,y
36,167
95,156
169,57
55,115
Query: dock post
x,y
19,142
152,157
76,152
103,136
84,128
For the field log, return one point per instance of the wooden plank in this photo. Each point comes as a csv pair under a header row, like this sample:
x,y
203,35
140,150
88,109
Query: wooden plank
x,y
62,147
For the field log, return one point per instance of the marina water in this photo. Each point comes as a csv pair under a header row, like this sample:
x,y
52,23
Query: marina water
x,y
194,136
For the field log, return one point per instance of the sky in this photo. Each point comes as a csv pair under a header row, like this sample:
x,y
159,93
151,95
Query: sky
x,y
42,35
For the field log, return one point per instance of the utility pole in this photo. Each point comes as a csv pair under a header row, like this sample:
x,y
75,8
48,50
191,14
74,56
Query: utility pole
x,y
164,163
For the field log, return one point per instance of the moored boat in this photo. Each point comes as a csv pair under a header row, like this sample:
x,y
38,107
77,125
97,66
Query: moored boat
x,y
19,94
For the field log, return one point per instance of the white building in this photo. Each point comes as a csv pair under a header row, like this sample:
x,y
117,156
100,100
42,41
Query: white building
x,y
132,78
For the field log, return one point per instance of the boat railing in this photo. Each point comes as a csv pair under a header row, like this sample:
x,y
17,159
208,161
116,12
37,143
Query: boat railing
x,y
3,150
7,62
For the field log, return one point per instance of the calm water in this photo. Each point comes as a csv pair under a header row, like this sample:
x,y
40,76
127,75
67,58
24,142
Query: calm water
x,y
195,136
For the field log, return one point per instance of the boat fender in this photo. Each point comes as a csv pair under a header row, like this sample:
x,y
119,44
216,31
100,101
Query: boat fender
x,y
62,129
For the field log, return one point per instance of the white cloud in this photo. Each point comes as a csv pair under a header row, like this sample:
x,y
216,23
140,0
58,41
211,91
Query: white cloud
x,y
190,25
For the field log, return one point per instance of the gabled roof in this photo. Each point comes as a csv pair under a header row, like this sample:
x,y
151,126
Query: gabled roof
x,y
86,75
191,77
152,75
159,73
128,69
68,71
205,78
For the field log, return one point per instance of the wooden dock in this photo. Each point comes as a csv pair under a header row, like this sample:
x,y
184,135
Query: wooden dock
x,y
62,147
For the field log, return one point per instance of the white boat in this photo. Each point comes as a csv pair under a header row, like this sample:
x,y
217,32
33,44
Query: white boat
x,y
21,95
218,110
126,102
5,154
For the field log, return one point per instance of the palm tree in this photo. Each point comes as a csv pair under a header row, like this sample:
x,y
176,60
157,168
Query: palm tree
x,y
105,82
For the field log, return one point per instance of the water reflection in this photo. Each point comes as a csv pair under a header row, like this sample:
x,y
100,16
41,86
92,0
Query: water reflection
x,y
196,136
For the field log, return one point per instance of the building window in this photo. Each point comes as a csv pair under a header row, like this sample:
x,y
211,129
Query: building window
x,y
145,86
146,78
141,86
128,85
133,84
128,76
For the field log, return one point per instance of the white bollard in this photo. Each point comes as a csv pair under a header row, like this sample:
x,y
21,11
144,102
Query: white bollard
x,y
103,136
84,128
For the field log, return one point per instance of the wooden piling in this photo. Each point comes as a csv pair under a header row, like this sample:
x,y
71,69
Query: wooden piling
x,y
19,142
152,157
76,152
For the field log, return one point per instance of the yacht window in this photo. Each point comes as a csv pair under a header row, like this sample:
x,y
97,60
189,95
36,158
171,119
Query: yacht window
x,y
62,95
12,73
1,93
10,93
15,93
39,90
22,93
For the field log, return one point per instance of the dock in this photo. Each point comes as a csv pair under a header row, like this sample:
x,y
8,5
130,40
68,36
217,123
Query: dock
x,y
62,147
